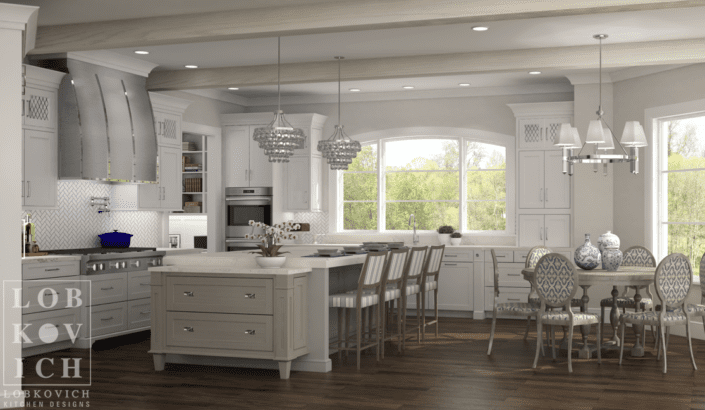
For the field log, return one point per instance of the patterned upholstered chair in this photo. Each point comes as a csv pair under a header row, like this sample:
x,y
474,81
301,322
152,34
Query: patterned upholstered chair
x,y
512,308
556,282
393,283
672,281
634,256
412,281
429,282
369,288
699,310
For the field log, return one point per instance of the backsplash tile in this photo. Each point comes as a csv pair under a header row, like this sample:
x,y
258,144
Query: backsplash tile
x,y
77,225
318,221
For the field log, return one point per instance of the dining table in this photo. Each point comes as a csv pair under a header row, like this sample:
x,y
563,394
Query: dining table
x,y
638,277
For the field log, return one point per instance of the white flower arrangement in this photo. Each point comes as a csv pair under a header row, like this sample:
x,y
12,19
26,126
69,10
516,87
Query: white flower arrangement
x,y
272,236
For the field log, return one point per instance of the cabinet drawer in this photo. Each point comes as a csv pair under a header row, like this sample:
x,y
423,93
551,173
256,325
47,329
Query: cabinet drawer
x,y
50,270
56,318
139,313
33,290
511,276
221,295
502,256
506,295
219,331
457,255
108,288
138,285
520,256
108,318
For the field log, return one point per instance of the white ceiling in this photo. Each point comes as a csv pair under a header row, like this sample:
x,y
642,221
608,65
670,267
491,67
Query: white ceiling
x,y
641,26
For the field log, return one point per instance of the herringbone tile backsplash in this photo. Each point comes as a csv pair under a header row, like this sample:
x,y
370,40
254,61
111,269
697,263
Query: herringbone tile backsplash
x,y
77,225
318,221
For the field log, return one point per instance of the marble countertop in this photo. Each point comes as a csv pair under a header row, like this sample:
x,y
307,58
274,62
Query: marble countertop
x,y
244,260
229,270
181,251
50,259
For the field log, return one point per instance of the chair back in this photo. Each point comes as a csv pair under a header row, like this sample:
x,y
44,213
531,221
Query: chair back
x,y
534,255
417,264
433,265
555,280
396,267
672,280
638,256
372,274
702,287
496,273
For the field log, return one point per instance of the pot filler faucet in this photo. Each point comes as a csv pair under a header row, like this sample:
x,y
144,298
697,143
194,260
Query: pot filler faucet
x,y
415,237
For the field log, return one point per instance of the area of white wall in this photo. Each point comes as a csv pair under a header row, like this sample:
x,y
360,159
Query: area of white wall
x,y
204,110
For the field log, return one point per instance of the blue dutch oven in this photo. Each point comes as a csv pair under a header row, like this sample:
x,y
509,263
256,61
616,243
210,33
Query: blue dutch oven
x,y
115,239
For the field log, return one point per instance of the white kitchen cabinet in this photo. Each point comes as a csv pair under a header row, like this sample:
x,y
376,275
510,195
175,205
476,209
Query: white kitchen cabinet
x,y
39,108
455,286
542,183
304,190
551,230
162,196
40,170
539,133
260,174
245,164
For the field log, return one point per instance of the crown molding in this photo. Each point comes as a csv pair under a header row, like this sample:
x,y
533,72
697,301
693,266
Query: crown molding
x,y
23,18
641,71
115,61
589,78
43,77
162,102
220,95
542,109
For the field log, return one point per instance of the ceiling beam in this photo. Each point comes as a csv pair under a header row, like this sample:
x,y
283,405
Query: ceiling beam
x,y
343,16
560,58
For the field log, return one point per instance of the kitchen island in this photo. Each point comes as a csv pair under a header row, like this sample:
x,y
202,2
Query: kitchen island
x,y
173,303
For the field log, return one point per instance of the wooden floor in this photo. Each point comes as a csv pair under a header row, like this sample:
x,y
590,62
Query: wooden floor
x,y
450,372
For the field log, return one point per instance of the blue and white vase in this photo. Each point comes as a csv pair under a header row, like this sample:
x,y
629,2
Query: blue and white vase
x,y
587,256
607,240
611,259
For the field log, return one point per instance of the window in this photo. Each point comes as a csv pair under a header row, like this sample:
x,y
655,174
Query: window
x,y
681,187
442,181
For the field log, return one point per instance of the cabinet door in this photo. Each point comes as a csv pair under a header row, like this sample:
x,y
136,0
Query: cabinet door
x,y
150,195
557,231
168,129
530,230
531,171
316,196
40,108
170,180
236,156
455,284
531,133
556,184
40,168
551,128
260,167
298,184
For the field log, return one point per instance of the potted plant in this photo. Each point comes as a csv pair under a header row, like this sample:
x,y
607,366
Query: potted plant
x,y
269,249
444,234
455,238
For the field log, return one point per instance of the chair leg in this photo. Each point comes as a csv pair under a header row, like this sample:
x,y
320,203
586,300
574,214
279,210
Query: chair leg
x,y
621,347
602,316
658,340
423,316
553,343
539,342
663,344
358,316
690,344
419,306
341,324
599,344
528,324
570,348
383,330
347,332
435,304
400,326
494,324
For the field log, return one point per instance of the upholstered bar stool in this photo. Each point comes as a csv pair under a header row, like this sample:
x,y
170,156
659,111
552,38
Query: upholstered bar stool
x,y
412,286
368,292
429,283
392,284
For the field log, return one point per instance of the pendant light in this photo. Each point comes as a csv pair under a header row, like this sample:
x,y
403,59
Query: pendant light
x,y
279,139
600,134
339,148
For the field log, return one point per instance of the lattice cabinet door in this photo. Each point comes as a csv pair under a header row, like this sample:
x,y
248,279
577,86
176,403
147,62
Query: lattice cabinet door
x,y
39,108
531,133
551,128
168,129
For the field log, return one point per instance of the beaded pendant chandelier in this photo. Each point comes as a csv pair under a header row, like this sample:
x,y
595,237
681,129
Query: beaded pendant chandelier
x,y
279,139
339,149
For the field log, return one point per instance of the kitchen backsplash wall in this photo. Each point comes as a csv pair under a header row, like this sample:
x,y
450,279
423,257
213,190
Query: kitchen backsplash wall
x,y
187,227
77,225
318,221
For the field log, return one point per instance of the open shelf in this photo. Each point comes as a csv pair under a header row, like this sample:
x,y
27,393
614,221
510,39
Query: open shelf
x,y
195,156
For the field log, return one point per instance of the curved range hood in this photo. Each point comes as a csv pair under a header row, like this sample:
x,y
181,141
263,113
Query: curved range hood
x,y
106,124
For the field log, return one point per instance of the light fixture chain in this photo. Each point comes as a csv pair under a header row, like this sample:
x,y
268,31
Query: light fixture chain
x,y
600,106
339,58
279,52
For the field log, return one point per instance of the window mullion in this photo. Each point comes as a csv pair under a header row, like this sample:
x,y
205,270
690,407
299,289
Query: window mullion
x,y
463,227
381,197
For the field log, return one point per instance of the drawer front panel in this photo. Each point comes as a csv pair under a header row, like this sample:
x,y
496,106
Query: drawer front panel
x,y
219,295
506,295
108,318
457,255
219,331
45,321
502,256
520,256
108,288
50,270
511,276
138,285
139,313
35,290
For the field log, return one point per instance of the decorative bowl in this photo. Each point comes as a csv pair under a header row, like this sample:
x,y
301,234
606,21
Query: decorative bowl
x,y
271,262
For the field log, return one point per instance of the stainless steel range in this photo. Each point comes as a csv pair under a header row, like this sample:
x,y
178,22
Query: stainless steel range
x,y
109,260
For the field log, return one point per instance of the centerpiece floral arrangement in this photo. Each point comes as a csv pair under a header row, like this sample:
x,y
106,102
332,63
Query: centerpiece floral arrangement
x,y
272,236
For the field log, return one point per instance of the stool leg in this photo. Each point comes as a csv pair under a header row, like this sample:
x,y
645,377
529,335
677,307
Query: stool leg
x,y
399,326
384,325
378,331
347,332
418,317
358,316
435,303
341,324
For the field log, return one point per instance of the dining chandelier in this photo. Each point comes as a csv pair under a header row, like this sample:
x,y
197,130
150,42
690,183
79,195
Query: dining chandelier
x,y
600,134
279,139
339,149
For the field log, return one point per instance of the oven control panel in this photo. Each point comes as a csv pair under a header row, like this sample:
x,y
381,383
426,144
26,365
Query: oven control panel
x,y
122,265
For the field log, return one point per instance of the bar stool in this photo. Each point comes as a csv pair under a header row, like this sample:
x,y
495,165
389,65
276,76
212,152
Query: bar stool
x,y
393,284
429,282
412,285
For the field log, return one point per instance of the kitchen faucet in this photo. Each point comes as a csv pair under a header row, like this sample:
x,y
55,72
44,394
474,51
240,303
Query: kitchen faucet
x,y
415,237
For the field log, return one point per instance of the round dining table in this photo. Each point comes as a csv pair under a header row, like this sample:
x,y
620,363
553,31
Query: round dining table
x,y
633,276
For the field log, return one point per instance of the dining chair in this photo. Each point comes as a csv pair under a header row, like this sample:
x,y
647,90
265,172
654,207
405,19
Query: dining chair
x,y
429,282
634,256
412,283
699,310
369,288
672,281
393,285
522,309
556,281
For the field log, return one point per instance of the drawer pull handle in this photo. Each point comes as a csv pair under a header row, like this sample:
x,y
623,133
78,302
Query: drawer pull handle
x,y
516,300
250,296
250,332
450,264
49,270
49,294
144,284
188,329
107,288
106,319
512,274
451,256
189,294
144,312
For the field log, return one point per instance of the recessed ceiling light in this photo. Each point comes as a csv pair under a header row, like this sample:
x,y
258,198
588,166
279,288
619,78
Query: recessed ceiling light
x,y
354,90
534,72
191,66
464,84
480,28
408,87
233,88
141,52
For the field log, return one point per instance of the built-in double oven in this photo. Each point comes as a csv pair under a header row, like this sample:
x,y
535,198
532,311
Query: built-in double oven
x,y
242,206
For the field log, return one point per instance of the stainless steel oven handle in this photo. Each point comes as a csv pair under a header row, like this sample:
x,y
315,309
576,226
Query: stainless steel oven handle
x,y
243,242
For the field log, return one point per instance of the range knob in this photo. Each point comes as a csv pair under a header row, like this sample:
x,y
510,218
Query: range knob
x,y
135,264
96,267
117,265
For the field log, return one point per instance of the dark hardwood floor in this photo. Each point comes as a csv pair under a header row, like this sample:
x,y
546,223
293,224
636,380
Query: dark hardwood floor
x,y
451,372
